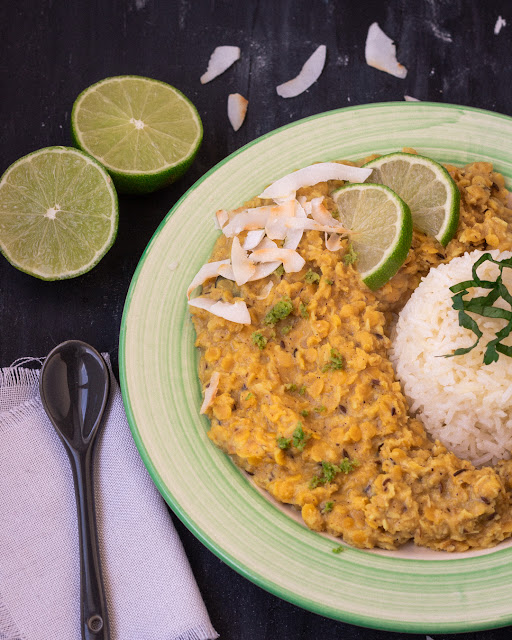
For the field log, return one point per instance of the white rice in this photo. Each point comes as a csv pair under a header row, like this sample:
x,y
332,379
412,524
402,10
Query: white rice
x,y
464,403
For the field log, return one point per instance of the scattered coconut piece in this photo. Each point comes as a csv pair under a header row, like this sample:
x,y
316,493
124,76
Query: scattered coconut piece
x,y
333,242
309,74
220,60
253,238
226,271
207,271
294,236
243,268
411,99
321,215
308,224
288,185
237,108
233,311
210,391
172,266
256,218
380,52
221,217
275,227
265,291
292,261
500,23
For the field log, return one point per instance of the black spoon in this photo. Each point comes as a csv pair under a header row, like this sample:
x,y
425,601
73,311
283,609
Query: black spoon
x,y
74,385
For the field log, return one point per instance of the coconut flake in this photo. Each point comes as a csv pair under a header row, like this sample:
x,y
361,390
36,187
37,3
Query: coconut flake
x,y
308,224
294,236
333,242
233,311
287,186
210,391
237,108
321,215
243,268
500,23
292,261
275,227
411,99
253,238
207,271
221,217
256,218
265,291
220,60
380,52
309,74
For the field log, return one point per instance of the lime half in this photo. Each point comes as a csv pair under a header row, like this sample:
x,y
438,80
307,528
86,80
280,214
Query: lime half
x,y
382,226
58,213
427,188
145,132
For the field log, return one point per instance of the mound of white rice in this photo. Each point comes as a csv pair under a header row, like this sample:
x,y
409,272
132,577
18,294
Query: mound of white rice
x,y
464,403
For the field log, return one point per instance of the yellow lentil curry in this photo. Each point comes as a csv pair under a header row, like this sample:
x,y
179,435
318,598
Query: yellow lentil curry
x,y
309,406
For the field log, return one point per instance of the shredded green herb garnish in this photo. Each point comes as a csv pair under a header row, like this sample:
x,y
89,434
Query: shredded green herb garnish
x,y
280,310
329,281
321,409
330,470
351,256
284,443
483,306
312,277
303,310
328,507
299,437
286,329
291,386
259,340
302,390
279,271
336,361
249,396
304,413
337,550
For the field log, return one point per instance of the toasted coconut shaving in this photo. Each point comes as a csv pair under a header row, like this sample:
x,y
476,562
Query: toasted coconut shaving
x,y
294,236
243,268
210,391
265,291
220,60
287,186
251,219
411,99
253,238
308,224
380,52
226,271
323,216
237,108
265,269
309,74
221,217
207,271
233,311
275,227
333,242
292,261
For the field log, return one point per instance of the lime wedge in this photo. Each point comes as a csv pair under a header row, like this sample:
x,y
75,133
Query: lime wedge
x,y
58,213
144,132
382,226
426,186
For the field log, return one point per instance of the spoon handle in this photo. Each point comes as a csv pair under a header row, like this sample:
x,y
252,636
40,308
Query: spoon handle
x,y
94,618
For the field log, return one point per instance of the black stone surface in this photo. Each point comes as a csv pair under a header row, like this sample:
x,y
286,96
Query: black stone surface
x,y
50,50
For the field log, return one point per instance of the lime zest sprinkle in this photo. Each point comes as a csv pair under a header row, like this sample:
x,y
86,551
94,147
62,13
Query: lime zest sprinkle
x,y
337,550
336,362
328,507
249,395
484,306
303,308
259,340
284,443
300,437
350,256
329,471
280,310
312,277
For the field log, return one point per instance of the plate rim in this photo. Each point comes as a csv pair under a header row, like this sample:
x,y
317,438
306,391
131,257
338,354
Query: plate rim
x,y
357,619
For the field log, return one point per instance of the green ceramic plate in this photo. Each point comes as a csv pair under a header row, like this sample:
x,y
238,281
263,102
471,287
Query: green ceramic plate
x,y
410,590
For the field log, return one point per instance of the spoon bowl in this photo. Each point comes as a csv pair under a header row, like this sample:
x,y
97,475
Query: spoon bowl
x,y
74,386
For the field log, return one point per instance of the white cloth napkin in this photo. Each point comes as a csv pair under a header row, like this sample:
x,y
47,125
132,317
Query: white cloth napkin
x,y
150,589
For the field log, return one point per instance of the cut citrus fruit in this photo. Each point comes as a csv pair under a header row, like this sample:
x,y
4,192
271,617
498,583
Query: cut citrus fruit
x,y
144,132
58,213
382,226
426,187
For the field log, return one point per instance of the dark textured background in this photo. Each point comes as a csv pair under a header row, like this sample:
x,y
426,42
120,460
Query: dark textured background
x,y
51,50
